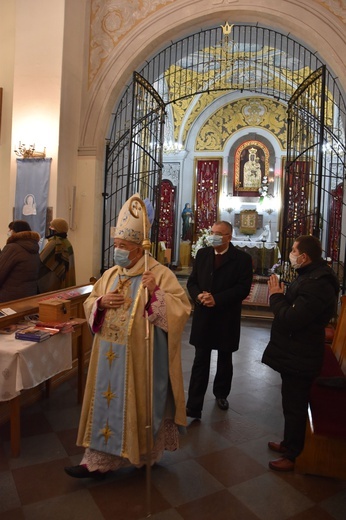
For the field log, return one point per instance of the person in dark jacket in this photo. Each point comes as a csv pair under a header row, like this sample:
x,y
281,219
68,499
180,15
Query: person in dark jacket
x,y
19,262
220,280
57,259
296,345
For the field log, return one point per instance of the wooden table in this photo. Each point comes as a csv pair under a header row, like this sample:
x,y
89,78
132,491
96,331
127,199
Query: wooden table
x,y
26,364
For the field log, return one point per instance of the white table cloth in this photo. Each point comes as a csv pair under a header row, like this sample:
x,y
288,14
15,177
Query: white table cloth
x,y
25,364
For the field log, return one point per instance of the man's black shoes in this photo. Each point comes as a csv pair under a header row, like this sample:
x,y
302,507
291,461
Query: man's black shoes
x,y
193,414
222,404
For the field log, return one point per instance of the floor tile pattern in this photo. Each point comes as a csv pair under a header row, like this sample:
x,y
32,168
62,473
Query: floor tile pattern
x,y
220,472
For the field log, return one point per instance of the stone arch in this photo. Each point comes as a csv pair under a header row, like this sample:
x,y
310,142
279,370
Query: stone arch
x,y
319,27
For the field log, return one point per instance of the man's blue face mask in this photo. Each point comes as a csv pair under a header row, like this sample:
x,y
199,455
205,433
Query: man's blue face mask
x,y
214,240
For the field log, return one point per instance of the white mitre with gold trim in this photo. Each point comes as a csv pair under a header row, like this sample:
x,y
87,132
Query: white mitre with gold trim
x,y
128,226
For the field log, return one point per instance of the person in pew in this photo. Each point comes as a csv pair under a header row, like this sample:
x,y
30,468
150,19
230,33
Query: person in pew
x,y
19,262
296,345
220,280
113,426
57,259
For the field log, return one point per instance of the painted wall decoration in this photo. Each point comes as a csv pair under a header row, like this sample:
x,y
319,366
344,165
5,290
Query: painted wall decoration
x,y
232,117
110,21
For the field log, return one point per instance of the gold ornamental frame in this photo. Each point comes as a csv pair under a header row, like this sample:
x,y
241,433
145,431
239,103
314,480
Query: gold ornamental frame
x,y
240,187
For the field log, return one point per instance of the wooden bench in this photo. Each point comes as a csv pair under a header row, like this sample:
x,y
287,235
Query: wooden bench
x,y
324,452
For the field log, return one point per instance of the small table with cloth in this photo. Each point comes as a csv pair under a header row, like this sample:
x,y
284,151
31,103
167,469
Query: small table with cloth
x,y
26,364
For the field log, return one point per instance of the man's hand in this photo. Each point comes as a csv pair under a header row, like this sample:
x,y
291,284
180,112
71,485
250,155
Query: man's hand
x,y
274,286
148,281
111,300
206,299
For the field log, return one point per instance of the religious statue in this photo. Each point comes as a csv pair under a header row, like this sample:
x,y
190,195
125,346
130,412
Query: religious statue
x,y
266,236
188,221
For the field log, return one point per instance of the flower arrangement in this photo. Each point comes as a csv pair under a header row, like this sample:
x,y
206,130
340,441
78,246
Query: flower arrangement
x,y
201,241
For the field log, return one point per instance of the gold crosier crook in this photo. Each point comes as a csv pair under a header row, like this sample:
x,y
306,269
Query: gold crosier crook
x,y
137,205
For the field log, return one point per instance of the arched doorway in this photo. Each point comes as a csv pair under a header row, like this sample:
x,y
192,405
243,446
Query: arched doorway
x,y
194,73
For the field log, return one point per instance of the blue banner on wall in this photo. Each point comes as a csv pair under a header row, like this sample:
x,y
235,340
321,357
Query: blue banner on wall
x,y
32,193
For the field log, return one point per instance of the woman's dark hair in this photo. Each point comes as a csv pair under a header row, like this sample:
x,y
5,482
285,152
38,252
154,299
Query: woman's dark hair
x,y
19,225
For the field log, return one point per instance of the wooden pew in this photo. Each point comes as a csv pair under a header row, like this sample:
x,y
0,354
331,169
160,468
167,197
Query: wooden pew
x,y
81,346
324,452
30,305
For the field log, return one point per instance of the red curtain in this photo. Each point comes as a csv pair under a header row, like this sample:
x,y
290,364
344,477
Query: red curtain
x,y
207,187
335,222
167,213
297,199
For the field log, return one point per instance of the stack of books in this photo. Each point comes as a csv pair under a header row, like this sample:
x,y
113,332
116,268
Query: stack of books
x,y
34,334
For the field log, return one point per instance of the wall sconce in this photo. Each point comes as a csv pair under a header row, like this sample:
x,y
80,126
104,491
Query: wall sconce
x,y
29,153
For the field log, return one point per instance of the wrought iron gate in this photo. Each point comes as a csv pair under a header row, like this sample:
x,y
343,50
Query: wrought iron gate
x,y
244,58
314,171
134,159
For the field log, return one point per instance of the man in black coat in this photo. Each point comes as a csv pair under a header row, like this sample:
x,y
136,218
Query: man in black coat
x,y
220,280
296,345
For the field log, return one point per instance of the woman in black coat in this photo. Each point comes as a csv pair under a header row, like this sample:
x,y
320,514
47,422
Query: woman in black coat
x,y
19,262
220,280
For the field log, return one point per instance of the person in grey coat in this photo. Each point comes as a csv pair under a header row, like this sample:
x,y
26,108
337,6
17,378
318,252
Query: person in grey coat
x,y
296,346
19,262
220,280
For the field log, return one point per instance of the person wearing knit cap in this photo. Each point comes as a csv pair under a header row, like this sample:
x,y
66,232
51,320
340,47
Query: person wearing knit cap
x,y
19,262
57,259
129,296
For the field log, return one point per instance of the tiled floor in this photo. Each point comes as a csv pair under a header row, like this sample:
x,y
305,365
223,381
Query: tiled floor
x,y
220,473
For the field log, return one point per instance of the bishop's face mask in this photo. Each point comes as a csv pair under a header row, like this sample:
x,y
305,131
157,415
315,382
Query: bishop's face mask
x,y
214,240
121,257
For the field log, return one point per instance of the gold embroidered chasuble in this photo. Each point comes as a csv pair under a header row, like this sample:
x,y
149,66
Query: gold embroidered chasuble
x,y
120,343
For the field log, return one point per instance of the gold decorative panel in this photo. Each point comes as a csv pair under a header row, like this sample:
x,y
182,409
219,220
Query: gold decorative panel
x,y
260,112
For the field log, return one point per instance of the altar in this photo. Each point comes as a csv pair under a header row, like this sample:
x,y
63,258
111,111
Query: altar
x,y
264,254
